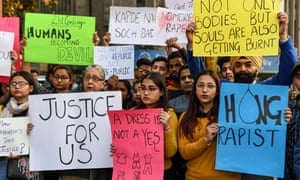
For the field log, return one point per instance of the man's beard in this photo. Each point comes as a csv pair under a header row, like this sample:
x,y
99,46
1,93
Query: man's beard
x,y
244,77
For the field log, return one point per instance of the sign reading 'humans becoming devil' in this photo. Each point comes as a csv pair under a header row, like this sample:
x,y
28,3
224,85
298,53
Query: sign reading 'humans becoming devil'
x,y
139,141
59,39
252,129
71,131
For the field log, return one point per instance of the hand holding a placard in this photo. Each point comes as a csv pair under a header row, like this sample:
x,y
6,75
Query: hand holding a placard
x,y
212,130
96,38
106,39
283,25
14,57
288,115
29,128
164,118
172,43
189,33
112,82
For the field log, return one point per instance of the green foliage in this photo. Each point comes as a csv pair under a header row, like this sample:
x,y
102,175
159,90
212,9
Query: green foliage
x,y
14,8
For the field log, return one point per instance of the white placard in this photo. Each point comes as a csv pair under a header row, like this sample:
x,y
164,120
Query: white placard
x,y
173,23
71,131
134,25
118,60
13,137
6,45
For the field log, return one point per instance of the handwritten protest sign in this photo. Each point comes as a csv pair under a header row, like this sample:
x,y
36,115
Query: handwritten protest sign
x,y
180,4
173,23
133,25
6,45
13,137
11,24
118,60
71,131
59,39
139,142
228,28
252,129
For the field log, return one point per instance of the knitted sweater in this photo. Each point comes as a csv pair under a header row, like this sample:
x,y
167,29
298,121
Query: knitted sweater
x,y
200,156
171,139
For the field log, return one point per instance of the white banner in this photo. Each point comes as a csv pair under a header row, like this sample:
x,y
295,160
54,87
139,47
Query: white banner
x,y
133,25
13,137
118,60
173,23
71,131
6,45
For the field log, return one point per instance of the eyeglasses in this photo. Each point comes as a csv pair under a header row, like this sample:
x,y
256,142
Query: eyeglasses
x,y
95,79
62,78
208,86
149,89
21,84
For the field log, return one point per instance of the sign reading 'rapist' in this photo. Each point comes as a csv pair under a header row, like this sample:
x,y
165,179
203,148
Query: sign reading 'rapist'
x,y
59,39
252,129
71,131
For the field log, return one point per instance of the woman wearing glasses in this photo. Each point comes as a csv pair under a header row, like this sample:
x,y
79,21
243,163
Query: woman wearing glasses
x,y
62,79
94,80
154,95
198,128
21,85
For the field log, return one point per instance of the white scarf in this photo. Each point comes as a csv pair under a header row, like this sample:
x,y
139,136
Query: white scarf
x,y
13,108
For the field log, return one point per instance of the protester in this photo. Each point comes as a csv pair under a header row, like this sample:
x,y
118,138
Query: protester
x,y
176,60
225,68
297,159
4,95
246,69
154,95
198,128
293,128
180,103
62,79
93,81
160,65
21,85
143,67
137,92
127,98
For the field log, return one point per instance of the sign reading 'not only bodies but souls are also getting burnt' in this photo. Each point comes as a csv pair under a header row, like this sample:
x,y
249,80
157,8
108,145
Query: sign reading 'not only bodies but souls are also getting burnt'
x,y
228,28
